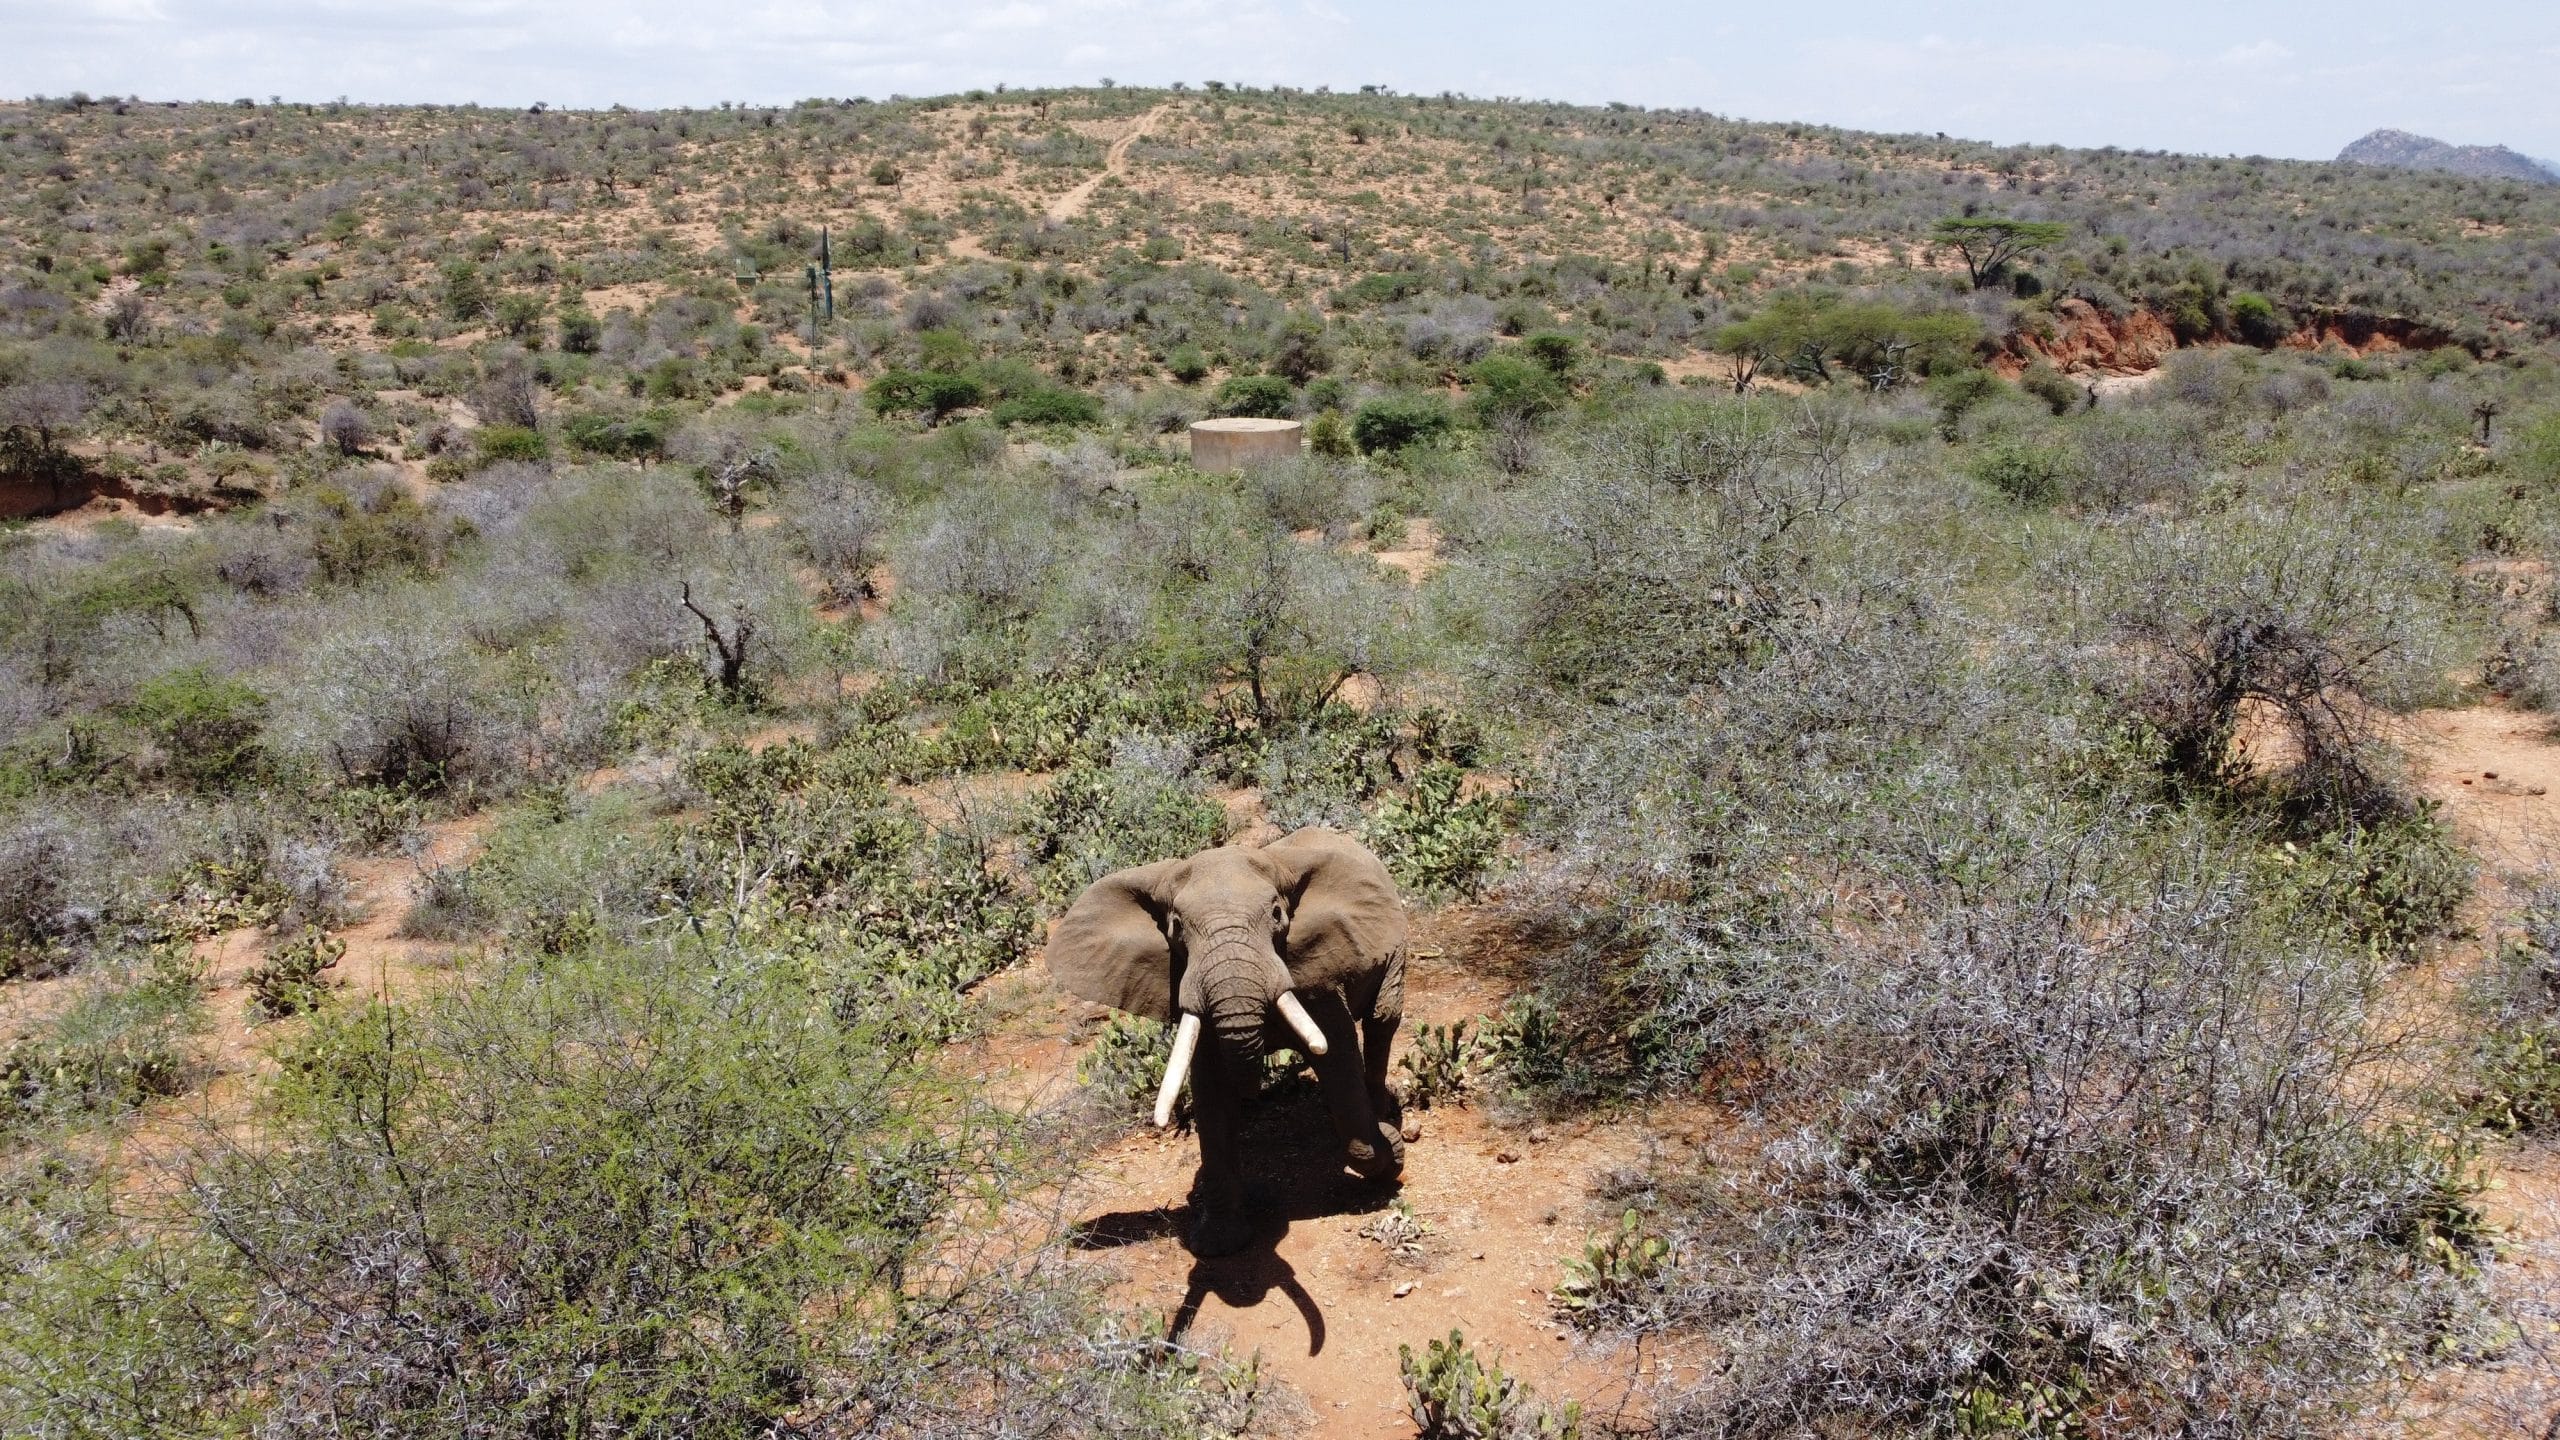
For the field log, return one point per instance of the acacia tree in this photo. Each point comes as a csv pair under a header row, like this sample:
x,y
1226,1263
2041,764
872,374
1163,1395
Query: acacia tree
x,y
1989,243
1881,342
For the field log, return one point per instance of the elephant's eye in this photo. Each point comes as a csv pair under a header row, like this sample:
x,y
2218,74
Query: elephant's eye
x,y
1279,917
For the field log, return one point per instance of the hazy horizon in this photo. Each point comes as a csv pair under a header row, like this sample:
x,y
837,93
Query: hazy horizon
x,y
2291,79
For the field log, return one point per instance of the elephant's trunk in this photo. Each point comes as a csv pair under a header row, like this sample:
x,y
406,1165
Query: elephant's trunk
x,y
1236,995
1241,984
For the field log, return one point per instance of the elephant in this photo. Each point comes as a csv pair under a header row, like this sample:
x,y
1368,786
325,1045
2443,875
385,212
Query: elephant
x,y
1299,943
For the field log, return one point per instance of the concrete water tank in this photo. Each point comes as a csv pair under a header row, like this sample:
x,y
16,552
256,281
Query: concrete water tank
x,y
1225,446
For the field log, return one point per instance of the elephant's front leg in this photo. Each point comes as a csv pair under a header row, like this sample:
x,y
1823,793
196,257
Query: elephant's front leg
x,y
1376,1151
1377,1040
1219,1225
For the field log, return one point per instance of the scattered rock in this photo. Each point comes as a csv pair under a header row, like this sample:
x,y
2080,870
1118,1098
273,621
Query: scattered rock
x,y
1412,1131
1537,1134
1506,1157
1404,1289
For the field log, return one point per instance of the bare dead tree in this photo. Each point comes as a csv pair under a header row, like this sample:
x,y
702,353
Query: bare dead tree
x,y
733,647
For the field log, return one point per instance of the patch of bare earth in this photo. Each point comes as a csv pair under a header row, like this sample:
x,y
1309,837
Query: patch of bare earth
x,y
237,1049
1418,556
2495,771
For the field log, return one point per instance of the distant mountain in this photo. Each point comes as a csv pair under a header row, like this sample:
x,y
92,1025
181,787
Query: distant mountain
x,y
2401,150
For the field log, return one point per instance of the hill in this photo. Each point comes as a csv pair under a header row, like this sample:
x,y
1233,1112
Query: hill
x,y
1104,234
2401,150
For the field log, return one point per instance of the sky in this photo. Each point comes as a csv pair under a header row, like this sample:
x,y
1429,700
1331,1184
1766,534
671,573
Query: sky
x,y
2263,77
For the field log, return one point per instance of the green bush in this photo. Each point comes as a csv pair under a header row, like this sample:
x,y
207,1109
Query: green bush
x,y
2026,471
641,437
465,295
830,844
1397,422
581,333
2534,453
1554,351
519,316
1507,388
2057,390
1820,336
1383,289
2256,320
1526,1044
207,726
2390,884
1297,351
2514,1084
676,377
934,394
1049,407
1958,391
2516,1089
1091,821
663,1191
1268,397
946,349
1187,365
510,442
1436,842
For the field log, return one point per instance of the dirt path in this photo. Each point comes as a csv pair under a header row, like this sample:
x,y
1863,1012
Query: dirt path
x,y
1330,1291
2496,773
1115,162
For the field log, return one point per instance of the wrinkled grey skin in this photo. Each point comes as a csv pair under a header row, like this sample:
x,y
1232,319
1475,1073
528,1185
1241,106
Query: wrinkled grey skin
x,y
1220,935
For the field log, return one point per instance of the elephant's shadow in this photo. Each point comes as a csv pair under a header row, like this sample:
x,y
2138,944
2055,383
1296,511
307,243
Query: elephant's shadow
x,y
1293,1172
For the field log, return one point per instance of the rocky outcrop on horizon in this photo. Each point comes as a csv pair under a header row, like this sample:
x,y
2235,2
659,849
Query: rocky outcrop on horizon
x,y
2398,149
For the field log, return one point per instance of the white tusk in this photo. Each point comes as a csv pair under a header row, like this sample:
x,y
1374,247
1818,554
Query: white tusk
x,y
1186,1038
1300,1021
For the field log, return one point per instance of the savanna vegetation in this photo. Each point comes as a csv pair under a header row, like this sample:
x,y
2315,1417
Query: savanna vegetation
x,y
1978,785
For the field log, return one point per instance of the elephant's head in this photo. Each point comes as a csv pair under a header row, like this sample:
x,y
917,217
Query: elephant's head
x,y
1226,938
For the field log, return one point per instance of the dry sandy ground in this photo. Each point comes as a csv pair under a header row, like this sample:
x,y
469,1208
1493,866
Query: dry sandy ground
x,y
2496,772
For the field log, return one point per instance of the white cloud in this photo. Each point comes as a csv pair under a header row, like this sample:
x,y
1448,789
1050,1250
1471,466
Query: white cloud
x,y
2264,52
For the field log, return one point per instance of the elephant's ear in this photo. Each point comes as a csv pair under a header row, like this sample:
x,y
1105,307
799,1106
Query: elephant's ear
x,y
1345,912
1111,946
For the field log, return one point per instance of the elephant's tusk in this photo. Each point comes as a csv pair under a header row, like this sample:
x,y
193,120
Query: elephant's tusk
x,y
1186,1038
1300,1021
